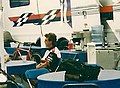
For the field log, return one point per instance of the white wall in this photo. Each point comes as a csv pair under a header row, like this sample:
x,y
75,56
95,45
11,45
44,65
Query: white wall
x,y
115,25
91,20
78,18
76,3
30,32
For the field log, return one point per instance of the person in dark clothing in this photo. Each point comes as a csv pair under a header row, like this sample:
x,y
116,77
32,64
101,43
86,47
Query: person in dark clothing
x,y
52,56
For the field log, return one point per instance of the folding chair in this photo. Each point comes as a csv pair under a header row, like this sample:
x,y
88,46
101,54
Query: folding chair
x,y
10,83
33,74
81,85
13,85
57,64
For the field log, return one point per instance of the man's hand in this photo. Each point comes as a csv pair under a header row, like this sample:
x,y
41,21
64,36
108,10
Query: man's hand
x,y
42,64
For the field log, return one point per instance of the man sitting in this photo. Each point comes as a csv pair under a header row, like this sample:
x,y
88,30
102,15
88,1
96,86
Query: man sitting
x,y
52,56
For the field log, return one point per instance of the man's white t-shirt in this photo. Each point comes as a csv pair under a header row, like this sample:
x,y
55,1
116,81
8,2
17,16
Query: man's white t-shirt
x,y
56,51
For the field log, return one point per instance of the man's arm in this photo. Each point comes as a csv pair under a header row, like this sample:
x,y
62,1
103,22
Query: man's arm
x,y
43,64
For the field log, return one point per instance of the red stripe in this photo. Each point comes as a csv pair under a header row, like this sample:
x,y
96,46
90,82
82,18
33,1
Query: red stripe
x,y
38,16
13,18
106,9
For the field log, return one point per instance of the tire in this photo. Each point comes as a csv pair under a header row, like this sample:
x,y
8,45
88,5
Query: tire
x,y
62,43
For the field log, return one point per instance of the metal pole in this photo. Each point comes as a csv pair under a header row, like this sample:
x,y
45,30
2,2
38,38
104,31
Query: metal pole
x,y
1,37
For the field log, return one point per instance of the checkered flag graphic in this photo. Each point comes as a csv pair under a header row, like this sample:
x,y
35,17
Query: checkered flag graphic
x,y
49,16
22,19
